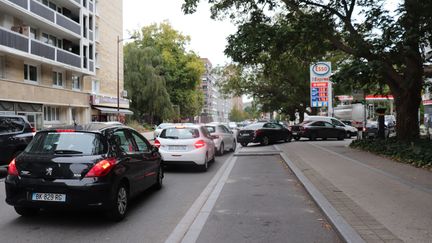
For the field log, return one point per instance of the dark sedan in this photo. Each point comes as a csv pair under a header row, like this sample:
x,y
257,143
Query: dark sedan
x,y
263,133
317,129
98,166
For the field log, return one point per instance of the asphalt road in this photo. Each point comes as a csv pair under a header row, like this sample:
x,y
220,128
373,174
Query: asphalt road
x,y
152,216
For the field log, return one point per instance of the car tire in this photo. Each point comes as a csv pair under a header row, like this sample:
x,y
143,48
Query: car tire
x,y
159,180
297,138
288,139
221,149
265,141
244,144
234,145
118,209
204,167
26,211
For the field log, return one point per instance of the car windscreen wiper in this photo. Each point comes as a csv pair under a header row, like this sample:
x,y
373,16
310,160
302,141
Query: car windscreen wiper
x,y
172,137
64,151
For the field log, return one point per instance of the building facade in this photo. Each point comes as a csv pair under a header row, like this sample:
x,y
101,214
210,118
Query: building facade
x,y
52,60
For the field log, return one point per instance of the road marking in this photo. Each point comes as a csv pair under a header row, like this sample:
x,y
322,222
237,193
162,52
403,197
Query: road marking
x,y
397,178
201,206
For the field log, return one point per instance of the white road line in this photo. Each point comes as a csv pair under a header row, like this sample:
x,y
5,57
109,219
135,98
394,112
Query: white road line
x,y
184,226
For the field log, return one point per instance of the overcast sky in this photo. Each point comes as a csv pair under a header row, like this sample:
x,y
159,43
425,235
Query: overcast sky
x,y
208,37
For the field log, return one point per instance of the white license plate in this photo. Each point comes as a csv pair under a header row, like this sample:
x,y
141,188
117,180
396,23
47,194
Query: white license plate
x,y
245,135
294,133
49,197
177,148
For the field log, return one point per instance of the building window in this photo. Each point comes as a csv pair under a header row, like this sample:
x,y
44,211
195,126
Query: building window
x,y
57,78
51,40
76,84
2,67
30,73
51,113
95,86
96,33
33,33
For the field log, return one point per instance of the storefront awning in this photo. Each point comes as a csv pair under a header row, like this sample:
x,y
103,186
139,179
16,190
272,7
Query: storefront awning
x,y
105,110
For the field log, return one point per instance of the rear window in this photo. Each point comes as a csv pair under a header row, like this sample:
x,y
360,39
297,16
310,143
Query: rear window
x,y
11,125
211,129
67,143
180,133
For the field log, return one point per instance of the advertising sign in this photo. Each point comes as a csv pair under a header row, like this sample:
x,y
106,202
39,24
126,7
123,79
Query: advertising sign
x,y
320,84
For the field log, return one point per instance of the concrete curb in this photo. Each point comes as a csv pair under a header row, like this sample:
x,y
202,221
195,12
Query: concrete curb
x,y
347,233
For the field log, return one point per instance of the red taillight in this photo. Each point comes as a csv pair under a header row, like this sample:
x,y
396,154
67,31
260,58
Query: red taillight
x,y
65,130
199,144
102,168
12,170
157,143
258,132
33,129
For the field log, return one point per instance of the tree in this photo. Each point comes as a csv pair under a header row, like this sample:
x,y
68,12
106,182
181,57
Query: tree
x,y
393,41
145,86
180,68
236,115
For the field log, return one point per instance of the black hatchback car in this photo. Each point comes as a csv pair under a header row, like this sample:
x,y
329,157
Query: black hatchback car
x,y
264,133
318,129
15,133
91,166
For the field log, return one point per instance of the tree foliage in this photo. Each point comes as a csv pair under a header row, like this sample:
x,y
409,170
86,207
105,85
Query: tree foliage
x,y
389,43
237,115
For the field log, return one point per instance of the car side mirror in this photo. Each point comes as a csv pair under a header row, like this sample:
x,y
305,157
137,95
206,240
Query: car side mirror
x,y
154,149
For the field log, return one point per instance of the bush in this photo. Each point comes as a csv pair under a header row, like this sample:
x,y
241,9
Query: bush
x,y
139,127
417,153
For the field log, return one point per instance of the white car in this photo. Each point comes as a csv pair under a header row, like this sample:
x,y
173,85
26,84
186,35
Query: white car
x,y
350,130
190,144
224,138
159,129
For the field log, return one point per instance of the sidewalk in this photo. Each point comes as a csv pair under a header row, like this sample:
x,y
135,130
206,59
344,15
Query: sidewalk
x,y
382,200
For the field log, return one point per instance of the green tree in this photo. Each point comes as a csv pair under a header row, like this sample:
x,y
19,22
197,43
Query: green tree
x,y
393,41
181,69
236,115
144,83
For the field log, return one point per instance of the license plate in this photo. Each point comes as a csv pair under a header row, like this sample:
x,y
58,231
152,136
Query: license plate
x,y
294,133
49,197
177,148
245,135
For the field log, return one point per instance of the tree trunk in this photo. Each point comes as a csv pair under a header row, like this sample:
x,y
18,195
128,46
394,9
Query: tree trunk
x,y
407,108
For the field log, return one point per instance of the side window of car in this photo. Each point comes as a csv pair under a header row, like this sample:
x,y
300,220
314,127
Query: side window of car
x,y
126,144
278,126
224,129
11,125
337,123
205,132
328,124
142,145
318,124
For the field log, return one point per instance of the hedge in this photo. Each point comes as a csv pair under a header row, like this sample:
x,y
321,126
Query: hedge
x,y
417,153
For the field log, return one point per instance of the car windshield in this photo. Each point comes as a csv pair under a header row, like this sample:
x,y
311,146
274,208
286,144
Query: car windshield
x,y
67,143
180,133
211,129
255,126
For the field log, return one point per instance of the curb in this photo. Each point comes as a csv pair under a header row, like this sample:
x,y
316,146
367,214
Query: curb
x,y
347,233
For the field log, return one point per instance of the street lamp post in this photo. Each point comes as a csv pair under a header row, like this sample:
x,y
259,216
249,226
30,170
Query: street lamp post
x,y
118,72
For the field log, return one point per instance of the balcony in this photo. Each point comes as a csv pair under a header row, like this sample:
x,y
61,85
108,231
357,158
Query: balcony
x,y
48,14
37,48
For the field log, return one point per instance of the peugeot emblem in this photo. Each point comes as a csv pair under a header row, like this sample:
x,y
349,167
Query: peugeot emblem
x,y
48,171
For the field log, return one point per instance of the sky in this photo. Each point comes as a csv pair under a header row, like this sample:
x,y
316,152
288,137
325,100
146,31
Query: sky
x,y
208,37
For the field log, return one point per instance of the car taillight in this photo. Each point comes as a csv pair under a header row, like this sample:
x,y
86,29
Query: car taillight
x,y
157,143
33,129
258,132
199,144
102,168
12,170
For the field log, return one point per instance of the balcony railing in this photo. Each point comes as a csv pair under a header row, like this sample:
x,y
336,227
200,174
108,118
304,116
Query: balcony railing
x,y
21,3
42,50
68,58
49,14
68,24
42,10
13,40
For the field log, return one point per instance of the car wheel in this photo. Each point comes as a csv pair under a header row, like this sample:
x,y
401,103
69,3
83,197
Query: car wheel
x,y
204,167
120,204
265,141
341,136
221,149
297,138
312,137
26,212
234,145
288,139
348,135
159,180
244,144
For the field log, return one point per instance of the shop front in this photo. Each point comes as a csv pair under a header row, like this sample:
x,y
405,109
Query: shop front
x,y
104,109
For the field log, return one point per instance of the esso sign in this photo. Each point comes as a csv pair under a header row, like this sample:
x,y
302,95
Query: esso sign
x,y
321,69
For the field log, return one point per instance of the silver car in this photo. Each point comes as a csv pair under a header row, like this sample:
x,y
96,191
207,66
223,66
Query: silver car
x,y
182,145
224,138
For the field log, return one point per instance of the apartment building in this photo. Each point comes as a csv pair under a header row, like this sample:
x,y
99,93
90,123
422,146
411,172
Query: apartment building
x,y
58,60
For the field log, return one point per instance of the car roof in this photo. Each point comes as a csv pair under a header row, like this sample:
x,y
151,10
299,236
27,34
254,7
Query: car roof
x,y
90,127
